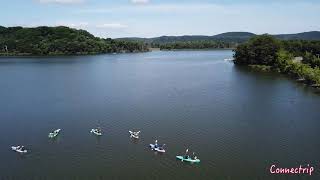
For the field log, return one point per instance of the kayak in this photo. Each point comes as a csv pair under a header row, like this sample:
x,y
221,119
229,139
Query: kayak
x,y
134,134
96,132
158,148
17,149
54,133
182,158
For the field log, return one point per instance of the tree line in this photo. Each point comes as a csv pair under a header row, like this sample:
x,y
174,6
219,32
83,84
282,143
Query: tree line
x,y
265,50
59,41
202,44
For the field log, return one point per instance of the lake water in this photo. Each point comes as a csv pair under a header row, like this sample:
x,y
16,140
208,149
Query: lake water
x,y
238,122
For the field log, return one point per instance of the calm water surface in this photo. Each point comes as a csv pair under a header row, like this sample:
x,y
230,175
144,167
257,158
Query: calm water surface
x,y
239,122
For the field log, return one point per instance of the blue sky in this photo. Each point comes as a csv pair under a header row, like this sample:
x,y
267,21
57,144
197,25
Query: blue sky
x,y
150,18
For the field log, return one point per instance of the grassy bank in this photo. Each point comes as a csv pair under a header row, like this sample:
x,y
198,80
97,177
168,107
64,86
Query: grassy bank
x,y
261,68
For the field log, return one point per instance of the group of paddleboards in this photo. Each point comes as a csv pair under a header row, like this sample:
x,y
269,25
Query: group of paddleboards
x,y
133,134
21,149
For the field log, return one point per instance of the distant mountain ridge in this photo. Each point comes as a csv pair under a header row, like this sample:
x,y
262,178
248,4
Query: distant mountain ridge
x,y
311,35
236,37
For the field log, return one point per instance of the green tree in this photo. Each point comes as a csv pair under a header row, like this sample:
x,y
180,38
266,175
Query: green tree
x,y
260,50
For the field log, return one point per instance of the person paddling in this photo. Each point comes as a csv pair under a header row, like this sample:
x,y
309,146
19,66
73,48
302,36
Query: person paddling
x,y
186,156
156,144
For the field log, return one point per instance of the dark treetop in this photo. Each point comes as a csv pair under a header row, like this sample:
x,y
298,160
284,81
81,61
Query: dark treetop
x,y
59,41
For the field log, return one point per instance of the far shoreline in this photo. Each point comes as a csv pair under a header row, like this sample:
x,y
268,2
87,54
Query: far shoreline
x,y
64,55
204,49
21,55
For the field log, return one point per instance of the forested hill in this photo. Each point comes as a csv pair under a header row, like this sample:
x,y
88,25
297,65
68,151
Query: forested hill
x,y
236,37
225,40
312,35
59,41
229,37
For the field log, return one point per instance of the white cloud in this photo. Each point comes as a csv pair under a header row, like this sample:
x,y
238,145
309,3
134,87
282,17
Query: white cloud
x,y
172,18
61,1
112,26
159,8
82,25
140,1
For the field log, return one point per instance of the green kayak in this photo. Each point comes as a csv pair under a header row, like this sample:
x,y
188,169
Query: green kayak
x,y
188,159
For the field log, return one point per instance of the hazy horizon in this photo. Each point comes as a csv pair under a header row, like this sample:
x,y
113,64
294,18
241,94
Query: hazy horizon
x,y
165,35
214,34
154,18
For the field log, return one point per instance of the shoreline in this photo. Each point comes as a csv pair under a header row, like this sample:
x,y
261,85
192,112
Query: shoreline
x,y
10,55
61,55
270,69
203,49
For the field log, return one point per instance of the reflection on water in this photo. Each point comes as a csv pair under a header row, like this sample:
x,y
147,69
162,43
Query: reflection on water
x,y
238,122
